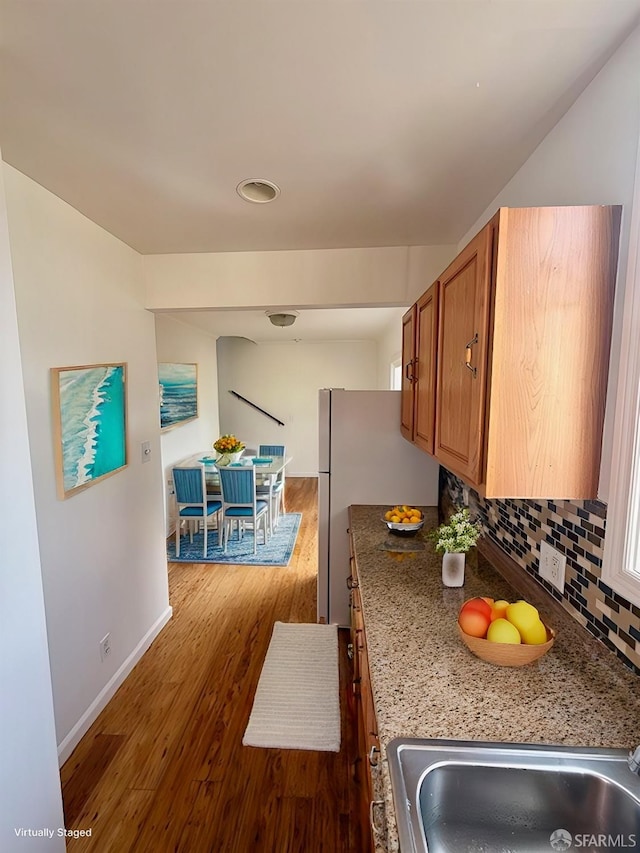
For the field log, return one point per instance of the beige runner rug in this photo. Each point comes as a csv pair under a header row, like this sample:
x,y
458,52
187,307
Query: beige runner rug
x,y
297,701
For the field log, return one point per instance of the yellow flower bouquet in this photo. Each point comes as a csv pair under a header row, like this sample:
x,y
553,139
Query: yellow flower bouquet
x,y
229,449
228,444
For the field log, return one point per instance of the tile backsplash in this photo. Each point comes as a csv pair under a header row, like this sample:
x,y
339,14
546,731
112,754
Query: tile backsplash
x,y
577,529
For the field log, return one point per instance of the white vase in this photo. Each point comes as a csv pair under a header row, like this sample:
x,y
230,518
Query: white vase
x,y
229,458
453,569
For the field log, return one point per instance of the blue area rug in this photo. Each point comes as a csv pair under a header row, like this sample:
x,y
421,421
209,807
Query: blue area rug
x,y
277,551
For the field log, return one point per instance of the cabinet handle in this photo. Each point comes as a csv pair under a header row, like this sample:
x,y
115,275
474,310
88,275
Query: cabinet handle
x,y
351,582
372,819
410,377
406,371
373,761
467,356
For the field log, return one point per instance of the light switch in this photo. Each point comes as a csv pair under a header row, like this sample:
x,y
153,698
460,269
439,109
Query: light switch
x,y
146,451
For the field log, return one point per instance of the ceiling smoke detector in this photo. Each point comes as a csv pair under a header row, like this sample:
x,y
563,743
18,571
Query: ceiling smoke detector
x,y
284,318
258,190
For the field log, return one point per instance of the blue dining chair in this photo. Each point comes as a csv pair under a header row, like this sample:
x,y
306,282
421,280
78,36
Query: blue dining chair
x,y
240,503
275,488
192,503
272,450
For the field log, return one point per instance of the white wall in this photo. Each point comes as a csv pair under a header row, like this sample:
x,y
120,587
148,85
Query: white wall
x,y
178,342
79,295
284,379
389,348
589,158
296,279
30,794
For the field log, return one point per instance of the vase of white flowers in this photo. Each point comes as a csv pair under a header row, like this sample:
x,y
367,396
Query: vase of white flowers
x,y
453,540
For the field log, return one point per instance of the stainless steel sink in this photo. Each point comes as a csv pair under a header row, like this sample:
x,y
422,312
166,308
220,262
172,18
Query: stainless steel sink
x,y
455,796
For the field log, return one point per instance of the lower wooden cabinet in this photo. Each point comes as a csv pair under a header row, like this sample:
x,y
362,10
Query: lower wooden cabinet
x,y
368,745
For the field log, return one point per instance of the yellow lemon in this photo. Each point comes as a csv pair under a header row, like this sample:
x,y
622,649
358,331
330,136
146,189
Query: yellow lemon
x,y
534,635
502,631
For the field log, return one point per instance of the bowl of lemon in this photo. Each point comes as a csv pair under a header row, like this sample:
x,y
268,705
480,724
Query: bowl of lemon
x,y
403,520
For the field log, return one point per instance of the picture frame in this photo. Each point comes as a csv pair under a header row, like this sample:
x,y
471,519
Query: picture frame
x,y
178,385
89,405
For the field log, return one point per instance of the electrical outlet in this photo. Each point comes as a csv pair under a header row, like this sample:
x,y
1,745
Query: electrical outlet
x,y
552,565
105,646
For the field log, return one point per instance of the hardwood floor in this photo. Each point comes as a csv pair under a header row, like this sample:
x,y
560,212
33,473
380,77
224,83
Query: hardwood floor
x,y
163,767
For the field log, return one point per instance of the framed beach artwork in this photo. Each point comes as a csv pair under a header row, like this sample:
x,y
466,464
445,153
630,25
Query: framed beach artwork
x,y
178,393
90,424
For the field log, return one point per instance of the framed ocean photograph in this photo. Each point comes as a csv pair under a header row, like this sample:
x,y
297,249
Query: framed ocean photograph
x,y
90,424
178,393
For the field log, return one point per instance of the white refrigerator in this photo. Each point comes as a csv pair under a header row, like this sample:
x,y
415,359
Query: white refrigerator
x,y
363,459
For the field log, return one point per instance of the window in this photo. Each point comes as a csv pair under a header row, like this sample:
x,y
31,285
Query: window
x,y
621,565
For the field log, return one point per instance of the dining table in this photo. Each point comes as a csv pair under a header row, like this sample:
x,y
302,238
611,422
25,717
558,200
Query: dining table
x,y
267,468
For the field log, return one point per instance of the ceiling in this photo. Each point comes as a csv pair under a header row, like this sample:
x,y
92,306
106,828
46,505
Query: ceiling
x,y
320,324
383,123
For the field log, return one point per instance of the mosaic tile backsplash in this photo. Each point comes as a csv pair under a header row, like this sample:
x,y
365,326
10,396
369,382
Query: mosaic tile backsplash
x,y
577,529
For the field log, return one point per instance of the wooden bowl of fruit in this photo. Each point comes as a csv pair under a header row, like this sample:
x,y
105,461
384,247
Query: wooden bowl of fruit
x,y
504,634
403,520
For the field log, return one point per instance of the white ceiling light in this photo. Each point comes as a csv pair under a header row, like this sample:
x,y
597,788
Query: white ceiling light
x,y
285,318
257,190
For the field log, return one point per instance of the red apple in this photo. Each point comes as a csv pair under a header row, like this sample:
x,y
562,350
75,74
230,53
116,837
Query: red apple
x,y
473,622
478,604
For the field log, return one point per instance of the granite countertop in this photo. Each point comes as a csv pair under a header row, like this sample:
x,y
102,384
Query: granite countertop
x,y
426,683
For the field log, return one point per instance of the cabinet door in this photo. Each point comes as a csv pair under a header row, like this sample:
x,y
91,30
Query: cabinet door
x,y
462,359
408,351
424,369
367,738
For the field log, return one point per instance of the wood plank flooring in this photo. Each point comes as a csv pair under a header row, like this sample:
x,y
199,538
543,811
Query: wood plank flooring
x,y
163,767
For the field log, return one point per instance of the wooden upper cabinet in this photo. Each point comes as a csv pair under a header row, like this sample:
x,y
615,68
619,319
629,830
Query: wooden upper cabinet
x,y
462,359
419,354
408,355
523,338
424,369
552,312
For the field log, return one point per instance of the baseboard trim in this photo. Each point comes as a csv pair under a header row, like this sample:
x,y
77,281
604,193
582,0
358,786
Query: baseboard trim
x,y
99,703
